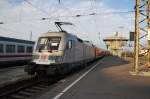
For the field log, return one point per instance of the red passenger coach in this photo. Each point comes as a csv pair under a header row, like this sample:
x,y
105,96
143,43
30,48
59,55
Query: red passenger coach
x,y
15,51
100,52
97,52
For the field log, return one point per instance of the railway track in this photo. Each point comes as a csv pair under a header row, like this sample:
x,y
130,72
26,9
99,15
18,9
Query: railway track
x,y
24,89
30,87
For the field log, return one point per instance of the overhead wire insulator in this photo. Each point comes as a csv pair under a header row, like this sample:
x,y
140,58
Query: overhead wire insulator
x,y
78,15
43,18
92,14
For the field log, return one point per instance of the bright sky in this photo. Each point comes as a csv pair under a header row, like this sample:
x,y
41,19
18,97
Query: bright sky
x,y
21,17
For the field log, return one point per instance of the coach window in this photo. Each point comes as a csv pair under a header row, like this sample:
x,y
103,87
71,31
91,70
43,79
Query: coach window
x,y
1,48
29,49
10,48
20,49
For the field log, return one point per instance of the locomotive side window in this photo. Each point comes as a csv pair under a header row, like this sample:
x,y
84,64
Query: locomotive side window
x,y
1,48
53,43
29,49
20,49
41,44
10,48
69,46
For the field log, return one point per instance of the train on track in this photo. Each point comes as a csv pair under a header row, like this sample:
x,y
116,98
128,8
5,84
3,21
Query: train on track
x,y
15,51
57,53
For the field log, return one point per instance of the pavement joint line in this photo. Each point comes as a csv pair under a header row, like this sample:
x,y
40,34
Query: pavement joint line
x,y
73,83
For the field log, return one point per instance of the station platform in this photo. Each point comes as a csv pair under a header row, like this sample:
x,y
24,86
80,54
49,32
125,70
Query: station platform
x,y
108,78
11,74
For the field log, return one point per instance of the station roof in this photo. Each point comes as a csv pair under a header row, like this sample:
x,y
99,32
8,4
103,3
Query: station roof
x,y
115,38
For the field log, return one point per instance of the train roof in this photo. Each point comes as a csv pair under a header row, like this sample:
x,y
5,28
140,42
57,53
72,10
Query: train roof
x,y
115,38
68,34
57,34
52,34
8,39
88,43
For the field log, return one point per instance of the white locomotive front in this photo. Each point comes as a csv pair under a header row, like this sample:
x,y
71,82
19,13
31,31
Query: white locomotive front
x,y
49,49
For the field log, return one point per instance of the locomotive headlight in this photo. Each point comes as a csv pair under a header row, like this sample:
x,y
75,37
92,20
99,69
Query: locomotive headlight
x,y
55,58
58,59
51,58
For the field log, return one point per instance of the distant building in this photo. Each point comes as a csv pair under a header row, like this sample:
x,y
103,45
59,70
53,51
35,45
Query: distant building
x,y
115,44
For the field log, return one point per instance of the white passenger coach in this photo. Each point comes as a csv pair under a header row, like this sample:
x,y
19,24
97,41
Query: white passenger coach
x,y
15,51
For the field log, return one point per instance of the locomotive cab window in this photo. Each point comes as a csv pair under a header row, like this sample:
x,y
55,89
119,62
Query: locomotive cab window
x,y
53,44
1,48
48,43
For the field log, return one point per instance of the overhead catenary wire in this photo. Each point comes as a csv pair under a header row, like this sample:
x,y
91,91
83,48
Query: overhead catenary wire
x,y
34,6
94,14
20,19
71,16
78,15
75,16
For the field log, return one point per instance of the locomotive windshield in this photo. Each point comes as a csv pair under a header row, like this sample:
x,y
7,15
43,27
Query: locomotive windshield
x,y
48,43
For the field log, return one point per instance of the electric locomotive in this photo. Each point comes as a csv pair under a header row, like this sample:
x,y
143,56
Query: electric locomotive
x,y
59,52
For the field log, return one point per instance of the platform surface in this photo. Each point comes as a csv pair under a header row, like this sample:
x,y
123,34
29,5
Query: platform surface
x,y
109,78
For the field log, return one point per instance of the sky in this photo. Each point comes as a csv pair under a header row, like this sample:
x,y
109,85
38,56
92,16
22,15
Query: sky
x,y
21,17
